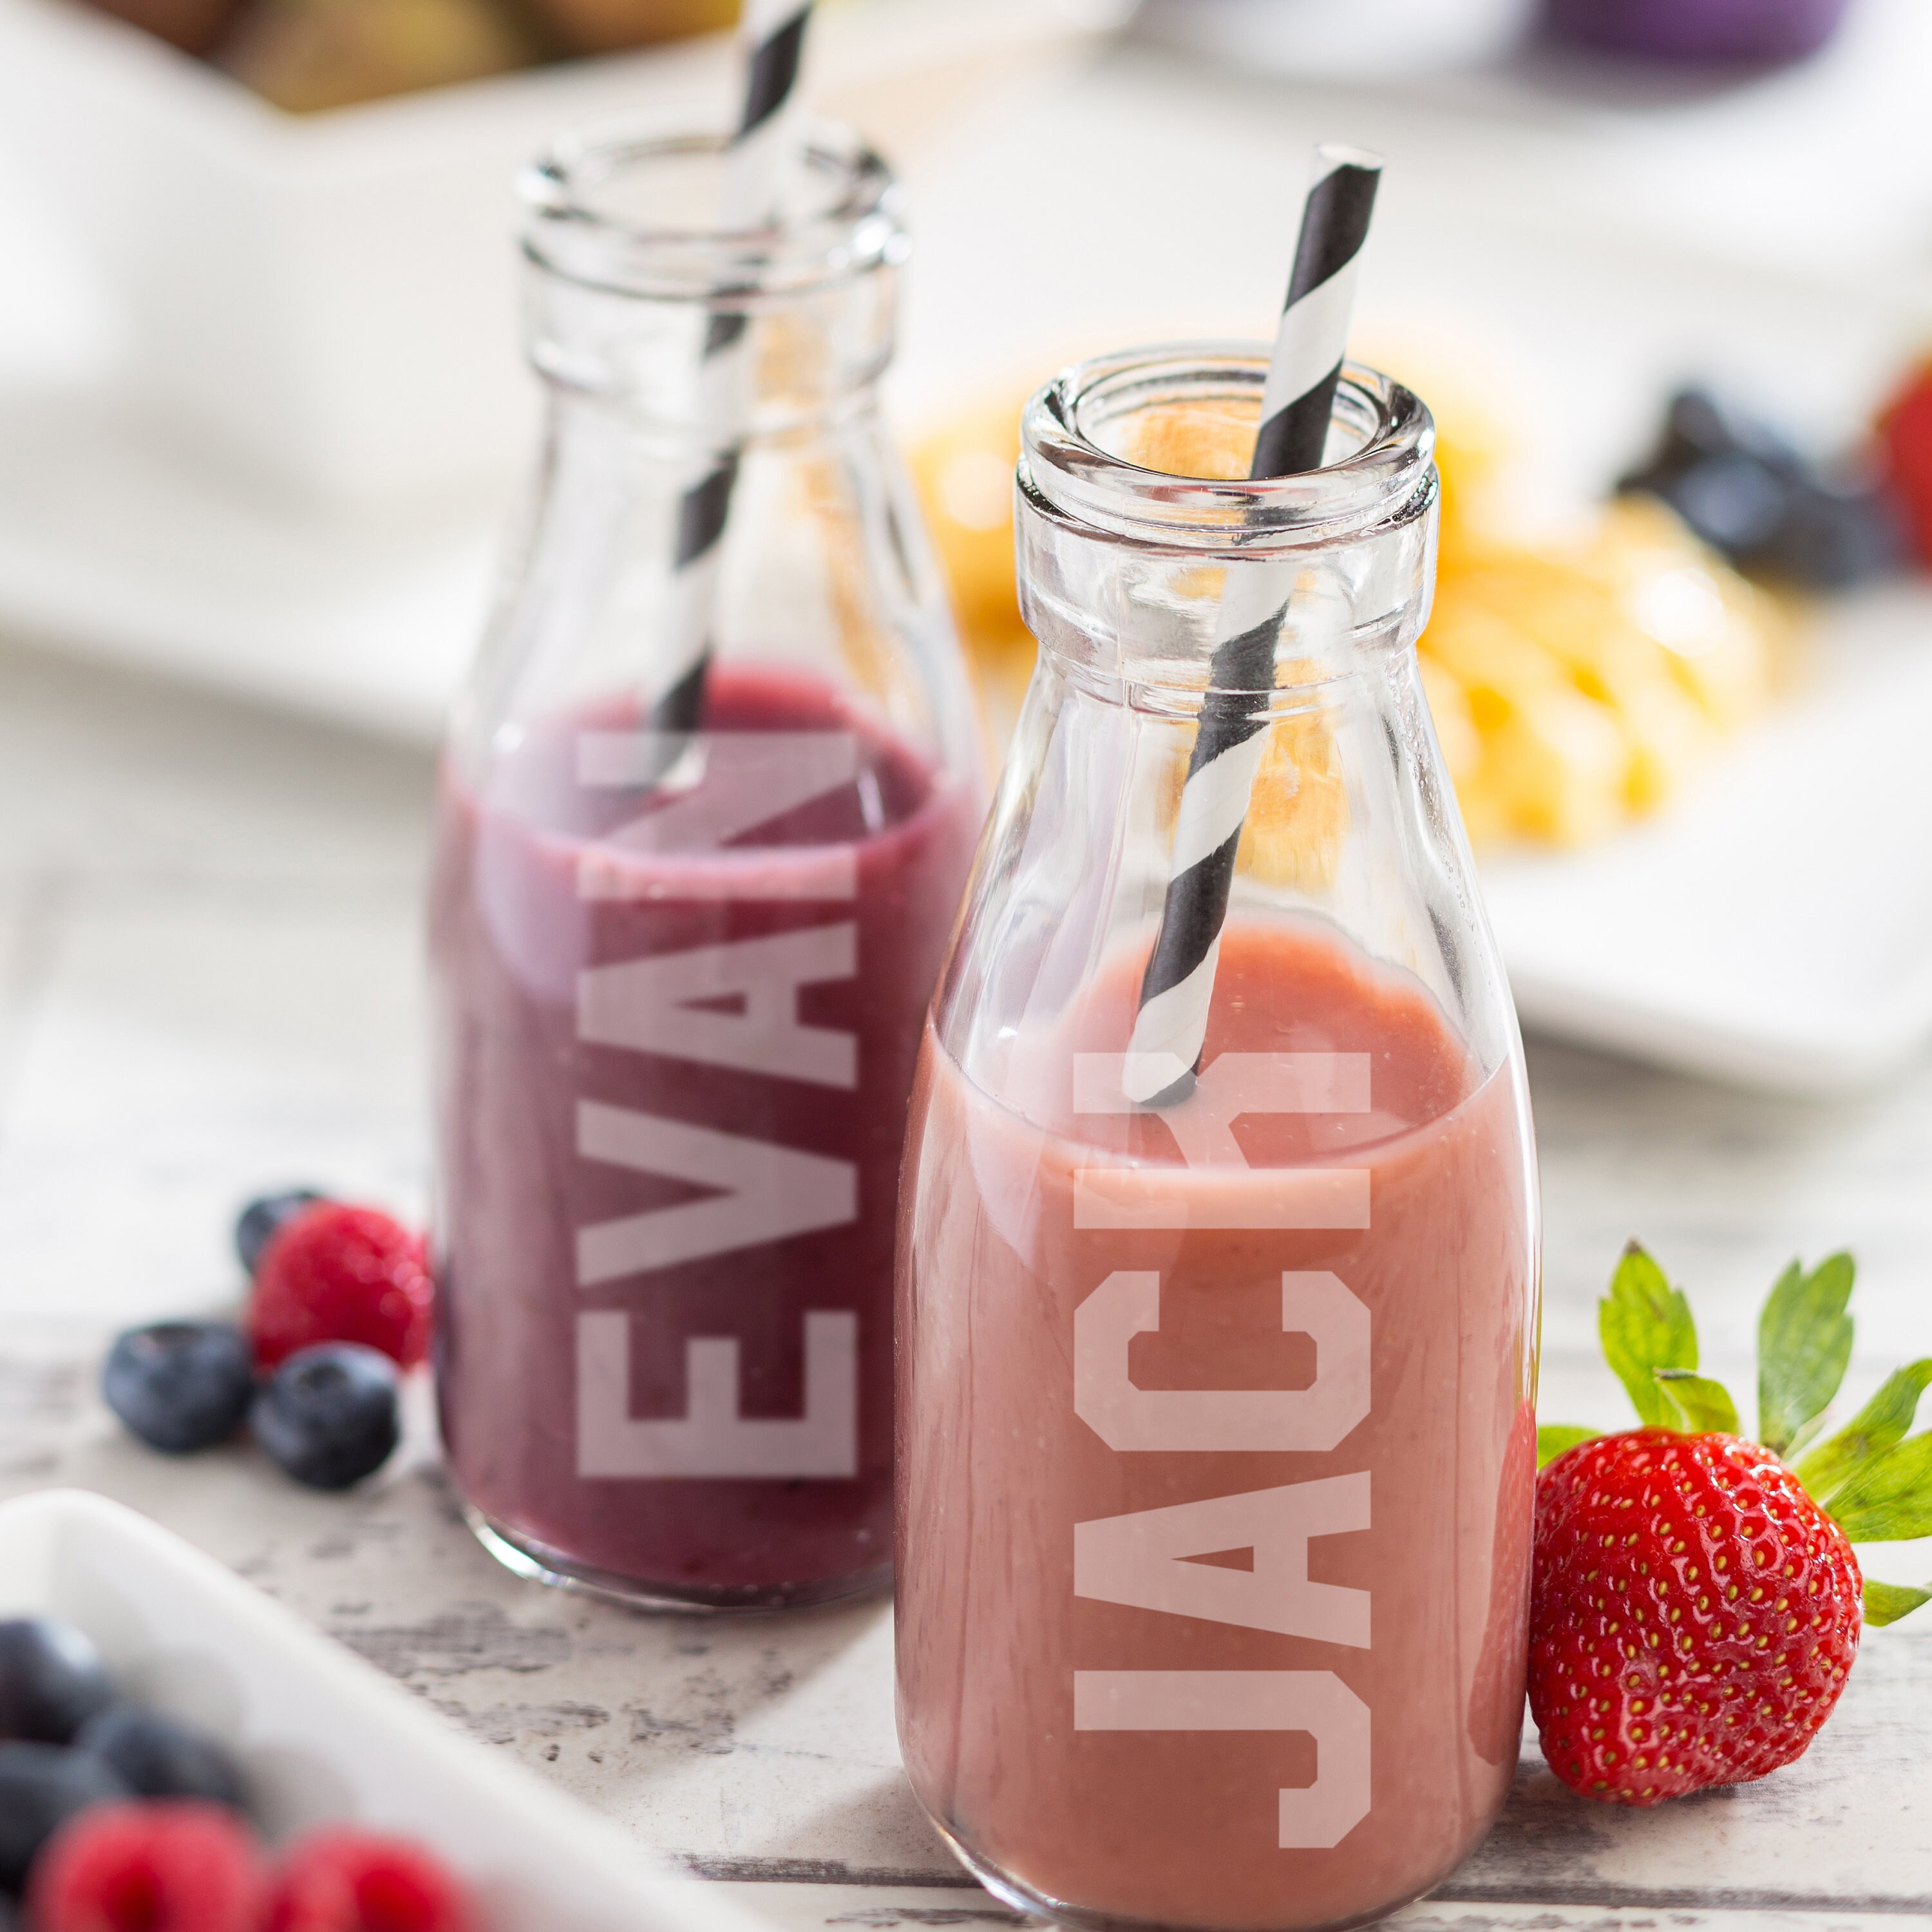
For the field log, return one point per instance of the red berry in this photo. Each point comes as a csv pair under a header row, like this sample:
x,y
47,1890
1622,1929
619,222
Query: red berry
x,y
339,1879
1692,1616
166,1865
1905,430
337,1274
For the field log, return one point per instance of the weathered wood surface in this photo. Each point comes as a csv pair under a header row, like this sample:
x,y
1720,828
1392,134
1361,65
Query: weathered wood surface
x,y
208,928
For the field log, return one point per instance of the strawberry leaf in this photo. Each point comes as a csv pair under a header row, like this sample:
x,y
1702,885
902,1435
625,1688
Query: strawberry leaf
x,y
1645,1325
1695,1403
1883,1421
1804,1343
1552,1438
1886,1603
1889,1497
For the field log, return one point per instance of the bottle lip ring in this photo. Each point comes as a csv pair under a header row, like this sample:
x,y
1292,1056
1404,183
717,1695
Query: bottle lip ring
x,y
855,227
1384,476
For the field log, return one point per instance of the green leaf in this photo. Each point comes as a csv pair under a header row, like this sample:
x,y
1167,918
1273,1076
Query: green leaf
x,y
1888,1498
1552,1438
1696,1403
1803,1343
1886,1603
1881,1423
1645,1325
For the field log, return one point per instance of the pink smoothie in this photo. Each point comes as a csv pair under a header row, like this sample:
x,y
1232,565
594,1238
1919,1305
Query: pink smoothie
x,y
682,1008
1179,1646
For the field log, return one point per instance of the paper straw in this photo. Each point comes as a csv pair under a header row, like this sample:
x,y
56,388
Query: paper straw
x,y
1297,401
771,39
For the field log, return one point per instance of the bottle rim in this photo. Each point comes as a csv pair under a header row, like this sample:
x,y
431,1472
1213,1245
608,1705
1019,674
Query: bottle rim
x,y
591,218
1382,475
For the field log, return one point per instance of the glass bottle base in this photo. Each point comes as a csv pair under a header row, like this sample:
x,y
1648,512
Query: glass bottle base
x,y
1022,1898
538,1563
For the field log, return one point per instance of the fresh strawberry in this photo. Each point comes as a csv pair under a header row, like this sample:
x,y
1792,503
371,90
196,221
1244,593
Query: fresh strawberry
x,y
341,1879
1694,1613
334,1273
165,1865
1696,1603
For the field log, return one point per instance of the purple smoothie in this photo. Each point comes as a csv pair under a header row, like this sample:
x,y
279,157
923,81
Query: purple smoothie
x,y
680,1023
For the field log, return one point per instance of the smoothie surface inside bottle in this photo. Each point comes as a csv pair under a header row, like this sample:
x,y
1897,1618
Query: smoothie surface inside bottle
x,y
1216,1413
706,810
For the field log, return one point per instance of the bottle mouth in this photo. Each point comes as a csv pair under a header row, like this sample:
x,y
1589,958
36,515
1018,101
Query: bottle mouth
x,y
1078,433
631,207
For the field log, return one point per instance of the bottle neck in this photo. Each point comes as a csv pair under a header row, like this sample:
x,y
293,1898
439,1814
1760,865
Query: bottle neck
x,y
638,304
690,373
1152,587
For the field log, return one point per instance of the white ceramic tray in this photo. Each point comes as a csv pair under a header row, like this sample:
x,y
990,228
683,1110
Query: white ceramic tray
x,y
322,1735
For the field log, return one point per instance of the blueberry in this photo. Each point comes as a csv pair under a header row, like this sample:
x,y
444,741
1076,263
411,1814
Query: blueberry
x,y
1697,425
328,1415
52,1679
256,1224
180,1385
1732,501
159,1758
1749,492
41,1787
1832,535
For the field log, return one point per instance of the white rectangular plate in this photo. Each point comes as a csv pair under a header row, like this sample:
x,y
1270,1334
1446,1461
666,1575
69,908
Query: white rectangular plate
x,y
321,1736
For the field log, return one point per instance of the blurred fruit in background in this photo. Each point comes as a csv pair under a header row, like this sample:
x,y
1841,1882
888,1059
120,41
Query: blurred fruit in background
x,y
1587,678
307,55
1575,684
193,26
1905,441
602,26
1698,30
965,474
1745,487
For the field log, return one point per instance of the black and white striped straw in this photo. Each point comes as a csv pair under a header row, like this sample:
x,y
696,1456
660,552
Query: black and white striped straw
x,y
1297,401
771,39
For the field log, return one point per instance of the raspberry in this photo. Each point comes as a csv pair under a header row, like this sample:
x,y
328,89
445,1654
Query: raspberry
x,y
1905,436
337,1274
170,1865
1694,1615
342,1880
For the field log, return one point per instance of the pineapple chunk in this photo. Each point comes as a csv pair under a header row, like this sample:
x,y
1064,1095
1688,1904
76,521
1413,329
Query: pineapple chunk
x,y
1557,763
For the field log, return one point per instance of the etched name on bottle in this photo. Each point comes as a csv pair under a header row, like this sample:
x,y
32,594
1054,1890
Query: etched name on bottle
x,y
1142,1558
733,1006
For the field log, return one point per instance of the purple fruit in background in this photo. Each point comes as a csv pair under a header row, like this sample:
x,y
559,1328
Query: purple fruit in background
x,y
1698,30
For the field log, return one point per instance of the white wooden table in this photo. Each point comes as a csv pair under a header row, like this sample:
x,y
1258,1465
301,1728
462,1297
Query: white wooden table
x,y
209,983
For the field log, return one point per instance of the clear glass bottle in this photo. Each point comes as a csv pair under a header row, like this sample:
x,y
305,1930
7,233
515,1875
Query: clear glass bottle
x,y
707,808
1216,1415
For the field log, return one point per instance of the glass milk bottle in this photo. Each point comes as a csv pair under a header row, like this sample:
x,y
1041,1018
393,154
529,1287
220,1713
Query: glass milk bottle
x,y
1216,1417
706,810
